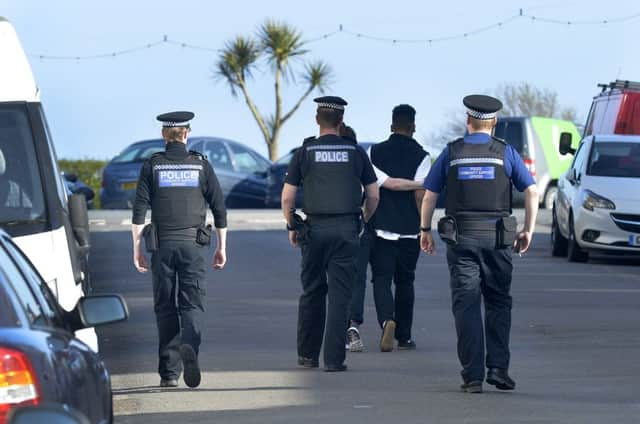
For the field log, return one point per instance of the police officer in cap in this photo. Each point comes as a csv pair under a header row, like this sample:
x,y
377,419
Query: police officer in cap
x,y
178,185
480,233
333,171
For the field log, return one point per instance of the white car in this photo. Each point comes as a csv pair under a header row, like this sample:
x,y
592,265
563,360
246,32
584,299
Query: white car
x,y
598,202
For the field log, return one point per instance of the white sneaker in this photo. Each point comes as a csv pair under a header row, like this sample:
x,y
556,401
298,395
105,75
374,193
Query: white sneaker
x,y
355,342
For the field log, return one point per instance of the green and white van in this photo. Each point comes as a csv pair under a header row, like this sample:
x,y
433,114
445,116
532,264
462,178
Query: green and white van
x,y
537,140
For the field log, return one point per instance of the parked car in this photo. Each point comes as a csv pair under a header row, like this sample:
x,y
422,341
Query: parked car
x,y
242,172
41,361
615,110
49,225
598,202
275,179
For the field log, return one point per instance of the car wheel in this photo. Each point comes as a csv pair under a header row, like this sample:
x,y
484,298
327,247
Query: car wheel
x,y
550,197
558,241
575,252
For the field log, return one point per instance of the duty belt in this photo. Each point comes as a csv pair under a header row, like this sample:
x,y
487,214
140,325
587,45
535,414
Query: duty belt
x,y
177,234
469,225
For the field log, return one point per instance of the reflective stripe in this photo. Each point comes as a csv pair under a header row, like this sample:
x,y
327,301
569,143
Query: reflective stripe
x,y
467,161
183,166
332,147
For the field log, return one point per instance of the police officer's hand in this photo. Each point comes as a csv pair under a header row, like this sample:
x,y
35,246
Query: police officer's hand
x,y
219,259
426,243
522,242
140,262
293,238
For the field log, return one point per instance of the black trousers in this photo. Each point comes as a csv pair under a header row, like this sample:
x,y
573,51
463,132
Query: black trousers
x,y
328,269
179,282
478,270
395,261
360,283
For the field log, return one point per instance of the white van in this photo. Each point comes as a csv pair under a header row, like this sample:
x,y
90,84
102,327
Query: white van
x,y
51,228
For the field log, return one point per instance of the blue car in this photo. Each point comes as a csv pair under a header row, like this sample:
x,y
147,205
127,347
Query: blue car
x,y
41,360
242,172
276,174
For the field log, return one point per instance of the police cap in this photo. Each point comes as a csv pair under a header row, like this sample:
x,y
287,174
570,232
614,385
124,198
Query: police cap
x,y
176,119
330,102
482,107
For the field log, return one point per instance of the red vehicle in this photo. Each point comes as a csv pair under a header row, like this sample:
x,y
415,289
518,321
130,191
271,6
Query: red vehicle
x,y
615,110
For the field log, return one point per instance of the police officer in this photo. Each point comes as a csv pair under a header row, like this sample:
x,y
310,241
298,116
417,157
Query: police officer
x,y
178,185
333,171
480,232
396,248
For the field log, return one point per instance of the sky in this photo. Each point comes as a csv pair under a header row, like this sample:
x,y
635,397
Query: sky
x,y
95,108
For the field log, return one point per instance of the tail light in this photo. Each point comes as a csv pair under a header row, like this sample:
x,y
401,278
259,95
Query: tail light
x,y
18,382
531,166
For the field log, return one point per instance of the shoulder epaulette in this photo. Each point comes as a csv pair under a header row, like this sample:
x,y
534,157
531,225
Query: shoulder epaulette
x,y
197,155
499,140
308,140
156,155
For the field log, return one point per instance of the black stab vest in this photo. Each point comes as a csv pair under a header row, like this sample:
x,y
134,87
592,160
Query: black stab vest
x,y
477,183
399,157
330,177
177,201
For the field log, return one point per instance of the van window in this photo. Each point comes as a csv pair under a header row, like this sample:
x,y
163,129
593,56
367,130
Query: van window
x,y
21,193
514,136
60,186
615,160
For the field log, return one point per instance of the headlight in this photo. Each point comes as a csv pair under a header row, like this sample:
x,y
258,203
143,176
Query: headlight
x,y
590,201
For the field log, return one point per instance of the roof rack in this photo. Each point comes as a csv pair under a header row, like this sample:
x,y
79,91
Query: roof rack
x,y
620,84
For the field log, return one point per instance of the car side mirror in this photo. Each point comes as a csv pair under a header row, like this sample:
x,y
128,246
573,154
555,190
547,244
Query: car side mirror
x,y
101,309
73,178
50,414
565,144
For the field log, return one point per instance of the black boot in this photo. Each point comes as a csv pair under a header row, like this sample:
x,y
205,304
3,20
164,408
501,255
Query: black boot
x,y
500,378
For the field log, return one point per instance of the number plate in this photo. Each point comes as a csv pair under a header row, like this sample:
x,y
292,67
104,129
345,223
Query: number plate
x,y
129,186
634,240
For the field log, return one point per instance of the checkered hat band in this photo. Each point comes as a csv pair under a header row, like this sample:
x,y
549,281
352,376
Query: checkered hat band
x,y
330,106
480,115
175,124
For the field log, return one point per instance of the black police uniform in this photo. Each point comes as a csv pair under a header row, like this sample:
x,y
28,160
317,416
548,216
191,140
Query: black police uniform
x,y
479,195
395,260
333,171
178,185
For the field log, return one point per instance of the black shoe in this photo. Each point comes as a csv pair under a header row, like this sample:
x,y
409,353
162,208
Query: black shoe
x,y
388,338
335,368
168,382
191,373
308,362
472,387
406,345
500,378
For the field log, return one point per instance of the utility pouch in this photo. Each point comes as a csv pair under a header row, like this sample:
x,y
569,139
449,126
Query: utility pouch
x,y
448,230
302,229
506,232
203,236
150,235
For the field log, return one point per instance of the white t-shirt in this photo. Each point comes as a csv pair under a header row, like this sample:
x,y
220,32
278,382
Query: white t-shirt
x,y
421,174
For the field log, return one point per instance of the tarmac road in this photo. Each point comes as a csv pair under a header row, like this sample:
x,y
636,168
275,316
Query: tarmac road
x,y
575,343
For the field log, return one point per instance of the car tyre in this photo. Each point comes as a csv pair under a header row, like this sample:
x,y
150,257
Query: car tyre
x,y
574,251
550,197
559,243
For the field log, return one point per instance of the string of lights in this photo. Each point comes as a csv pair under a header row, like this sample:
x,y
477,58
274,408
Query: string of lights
x,y
342,31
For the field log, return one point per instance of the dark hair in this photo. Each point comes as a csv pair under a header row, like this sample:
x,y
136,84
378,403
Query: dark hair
x,y
348,132
329,117
403,117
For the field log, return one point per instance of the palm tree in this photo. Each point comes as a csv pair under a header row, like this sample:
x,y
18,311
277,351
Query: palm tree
x,y
280,44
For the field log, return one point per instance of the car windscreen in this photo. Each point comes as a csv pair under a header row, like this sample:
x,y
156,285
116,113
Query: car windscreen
x,y
615,160
21,194
284,160
138,152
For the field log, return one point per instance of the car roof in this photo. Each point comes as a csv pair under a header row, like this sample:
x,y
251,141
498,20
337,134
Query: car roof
x,y
615,138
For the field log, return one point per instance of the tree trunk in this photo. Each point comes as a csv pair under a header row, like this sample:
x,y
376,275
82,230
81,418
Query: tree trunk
x,y
273,149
